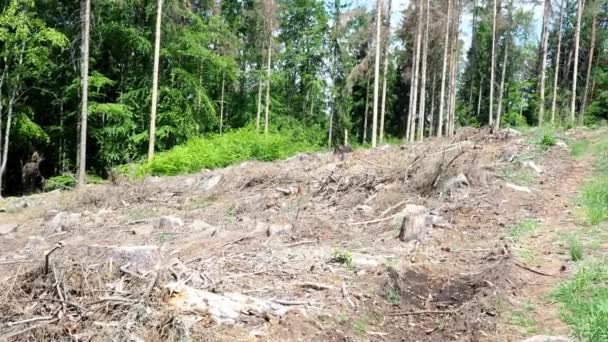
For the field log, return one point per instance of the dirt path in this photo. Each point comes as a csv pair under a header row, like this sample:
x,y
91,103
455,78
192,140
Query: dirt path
x,y
303,250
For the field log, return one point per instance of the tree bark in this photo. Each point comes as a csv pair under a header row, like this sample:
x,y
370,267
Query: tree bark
x,y
222,104
259,107
479,98
385,73
559,50
415,74
159,15
492,65
577,36
376,75
268,74
432,112
421,116
443,71
453,71
590,63
366,112
502,83
543,65
84,72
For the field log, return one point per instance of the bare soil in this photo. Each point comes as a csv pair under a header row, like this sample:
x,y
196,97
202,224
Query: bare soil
x,y
315,236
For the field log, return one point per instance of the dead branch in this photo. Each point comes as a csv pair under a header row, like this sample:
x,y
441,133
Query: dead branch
x,y
35,326
47,254
150,286
77,306
300,243
371,163
291,302
422,312
393,208
521,265
124,269
112,299
29,320
372,221
315,286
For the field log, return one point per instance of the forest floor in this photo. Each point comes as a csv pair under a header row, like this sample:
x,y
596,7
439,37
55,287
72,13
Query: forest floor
x,y
305,249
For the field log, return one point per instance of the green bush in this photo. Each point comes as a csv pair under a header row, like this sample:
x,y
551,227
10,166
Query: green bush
x,y
547,140
232,147
62,181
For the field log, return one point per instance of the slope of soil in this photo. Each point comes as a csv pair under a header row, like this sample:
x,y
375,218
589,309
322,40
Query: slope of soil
x,y
304,249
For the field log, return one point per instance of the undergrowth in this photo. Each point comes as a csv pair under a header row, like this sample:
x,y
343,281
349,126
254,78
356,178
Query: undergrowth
x,y
66,181
594,195
584,301
522,228
217,151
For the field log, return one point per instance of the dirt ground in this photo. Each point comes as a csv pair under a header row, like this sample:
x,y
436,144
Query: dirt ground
x,y
305,249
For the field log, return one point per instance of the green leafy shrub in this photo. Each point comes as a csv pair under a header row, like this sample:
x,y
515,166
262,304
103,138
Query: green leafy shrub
x,y
547,140
62,181
216,151
344,257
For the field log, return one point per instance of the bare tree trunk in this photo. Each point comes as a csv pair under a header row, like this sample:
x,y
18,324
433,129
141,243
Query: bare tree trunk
x,y
577,36
84,72
4,71
590,63
268,74
421,116
432,112
376,74
331,126
7,133
443,71
543,65
479,98
222,104
259,108
453,71
385,73
416,69
559,50
492,66
159,16
366,112
502,83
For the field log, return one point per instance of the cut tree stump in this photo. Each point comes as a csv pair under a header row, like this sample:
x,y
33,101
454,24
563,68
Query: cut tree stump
x,y
411,222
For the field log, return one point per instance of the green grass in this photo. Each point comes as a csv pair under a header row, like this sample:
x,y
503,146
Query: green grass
x,y
233,147
575,247
66,181
521,229
584,301
547,140
524,319
344,257
527,256
393,296
518,175
360,326
579,148
594,195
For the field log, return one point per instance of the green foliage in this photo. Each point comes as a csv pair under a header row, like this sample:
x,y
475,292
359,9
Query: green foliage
x,y
595,198
547,140
344,257
239,145
524,318
393,296
575,247
584,301
62,182
579,148
521,229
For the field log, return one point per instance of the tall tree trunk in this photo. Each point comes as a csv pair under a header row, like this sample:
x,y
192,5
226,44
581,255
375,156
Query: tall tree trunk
x,y
366,111
479,98
423,82
385,72
577,36
590,63
502,82
84,75
559,51
159,16
443,71
453,71
492,65
222,104
543,64
7,133
415,73
376,75
268,74
4,71
432,112
331,126
259,107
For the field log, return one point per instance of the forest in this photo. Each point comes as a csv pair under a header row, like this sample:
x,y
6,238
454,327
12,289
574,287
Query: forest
x,y
88,86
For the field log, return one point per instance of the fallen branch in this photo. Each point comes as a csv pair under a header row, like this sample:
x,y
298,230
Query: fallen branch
x,y
150,286
48,253
112,299
77,306
290,302
315,286
372,221
29,320
533,270
392,208
35,326
300,243
422,312
371,163
124,269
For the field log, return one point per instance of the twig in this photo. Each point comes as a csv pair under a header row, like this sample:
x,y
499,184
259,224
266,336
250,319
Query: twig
x,y
150,286
300,243
8,262
315,286
127,271
372,163
372,221
112,299
422,312
533,270
290,302
392,208
77,306
47,254
29,320
35,326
